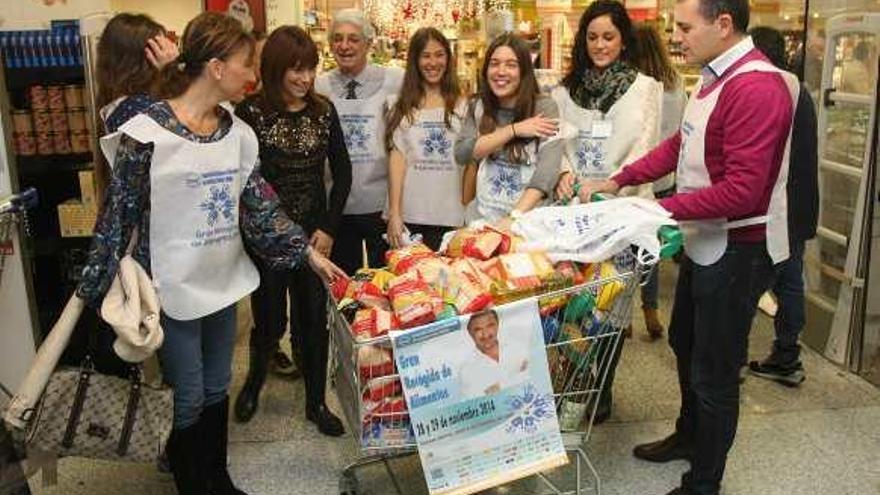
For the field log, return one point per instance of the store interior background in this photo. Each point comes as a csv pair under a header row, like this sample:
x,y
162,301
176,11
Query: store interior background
x,y
844,292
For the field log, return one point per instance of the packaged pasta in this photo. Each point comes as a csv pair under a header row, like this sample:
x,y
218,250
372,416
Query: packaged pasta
x,y
402,259
413,300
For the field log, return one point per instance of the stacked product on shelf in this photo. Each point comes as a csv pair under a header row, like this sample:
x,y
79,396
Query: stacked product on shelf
x,y
54,123
43,81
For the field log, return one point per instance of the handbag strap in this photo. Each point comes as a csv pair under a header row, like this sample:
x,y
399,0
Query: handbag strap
x,y
133,241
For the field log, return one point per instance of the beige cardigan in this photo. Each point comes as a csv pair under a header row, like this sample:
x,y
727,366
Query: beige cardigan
x,y
636,126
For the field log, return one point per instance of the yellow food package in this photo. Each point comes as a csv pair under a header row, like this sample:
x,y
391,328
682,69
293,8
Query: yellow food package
x,y
605,292
377,276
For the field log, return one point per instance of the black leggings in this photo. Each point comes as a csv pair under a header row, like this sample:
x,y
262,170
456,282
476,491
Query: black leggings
x,y
308,322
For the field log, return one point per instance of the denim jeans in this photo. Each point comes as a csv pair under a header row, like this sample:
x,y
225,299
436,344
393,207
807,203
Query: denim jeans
x,y
713,310
790,315
196,361
308,322
651,288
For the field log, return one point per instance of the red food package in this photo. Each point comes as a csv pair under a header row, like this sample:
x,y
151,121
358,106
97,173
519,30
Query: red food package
x,y
413,300
479,244
371,322
569,270
369,295
374,362
391,405
472,268
381,388
525,270
402,259
339,287
388,409
493,269
505,244
472,295
439,275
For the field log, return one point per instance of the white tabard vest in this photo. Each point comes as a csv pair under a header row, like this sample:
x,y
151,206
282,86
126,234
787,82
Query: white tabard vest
x,y
499,182
363,124
197,258
432,188
604,142
706,240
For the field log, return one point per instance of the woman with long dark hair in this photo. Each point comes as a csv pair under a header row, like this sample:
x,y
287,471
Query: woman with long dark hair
x,y
511,131
614,107
187,187
424,182
298,131
131,51
616,112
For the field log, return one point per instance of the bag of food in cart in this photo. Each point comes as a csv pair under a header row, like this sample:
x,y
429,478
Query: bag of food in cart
x,y
381,388
402,259
607,287
413,300
374,361
372,322
593,232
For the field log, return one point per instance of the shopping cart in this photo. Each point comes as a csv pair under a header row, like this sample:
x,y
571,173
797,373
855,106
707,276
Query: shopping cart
x,y
582,328
12,210
13,475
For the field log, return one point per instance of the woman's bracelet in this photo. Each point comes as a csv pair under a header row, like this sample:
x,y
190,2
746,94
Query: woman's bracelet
x,y
512,128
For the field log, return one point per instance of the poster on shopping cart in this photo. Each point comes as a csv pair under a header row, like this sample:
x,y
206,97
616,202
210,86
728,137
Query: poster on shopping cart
x,y
480,398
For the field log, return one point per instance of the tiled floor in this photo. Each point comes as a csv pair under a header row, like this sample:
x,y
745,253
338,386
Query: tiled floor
x,y
822,438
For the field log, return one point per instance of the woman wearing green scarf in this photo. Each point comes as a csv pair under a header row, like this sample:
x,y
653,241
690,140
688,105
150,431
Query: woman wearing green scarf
x,y
612,112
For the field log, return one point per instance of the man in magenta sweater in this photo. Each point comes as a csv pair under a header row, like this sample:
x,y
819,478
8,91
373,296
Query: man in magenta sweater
x,y
731,160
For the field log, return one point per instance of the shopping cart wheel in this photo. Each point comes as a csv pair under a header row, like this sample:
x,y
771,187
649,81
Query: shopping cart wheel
x,y
348,484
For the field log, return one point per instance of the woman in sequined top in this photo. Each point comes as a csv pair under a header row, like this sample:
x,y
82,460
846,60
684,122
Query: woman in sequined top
x,y
299,132
186,182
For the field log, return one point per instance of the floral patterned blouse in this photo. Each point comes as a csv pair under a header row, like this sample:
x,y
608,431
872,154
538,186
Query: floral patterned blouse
x,y
266,230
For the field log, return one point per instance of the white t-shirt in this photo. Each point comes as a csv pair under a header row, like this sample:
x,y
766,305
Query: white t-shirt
x,y
432,187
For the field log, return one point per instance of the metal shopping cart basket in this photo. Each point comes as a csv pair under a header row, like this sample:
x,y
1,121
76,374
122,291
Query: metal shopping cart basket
x,y
582,328
12,211
13,476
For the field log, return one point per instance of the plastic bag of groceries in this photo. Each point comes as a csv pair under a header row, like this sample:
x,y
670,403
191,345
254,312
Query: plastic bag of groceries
x,y
593,232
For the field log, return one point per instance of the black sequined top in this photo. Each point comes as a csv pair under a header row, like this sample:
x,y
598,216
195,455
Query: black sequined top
x,y
294,146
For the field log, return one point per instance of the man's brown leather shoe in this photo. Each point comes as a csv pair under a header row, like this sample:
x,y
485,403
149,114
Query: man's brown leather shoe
x,y
668,449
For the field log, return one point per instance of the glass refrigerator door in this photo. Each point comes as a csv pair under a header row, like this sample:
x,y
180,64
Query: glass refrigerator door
x,y
834,261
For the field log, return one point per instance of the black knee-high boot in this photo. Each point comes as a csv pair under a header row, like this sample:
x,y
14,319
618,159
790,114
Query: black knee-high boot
x,y
186,453
215,421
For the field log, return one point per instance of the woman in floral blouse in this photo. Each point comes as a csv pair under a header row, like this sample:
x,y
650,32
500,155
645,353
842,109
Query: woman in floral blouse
x,y
186,183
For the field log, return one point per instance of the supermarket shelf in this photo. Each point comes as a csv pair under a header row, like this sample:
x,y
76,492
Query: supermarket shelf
x,y
22,78
41,165
52,246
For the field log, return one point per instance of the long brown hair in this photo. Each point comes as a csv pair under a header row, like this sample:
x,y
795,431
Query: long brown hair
x,y
412,92
122,66
208,36
288,47
653,57
527,93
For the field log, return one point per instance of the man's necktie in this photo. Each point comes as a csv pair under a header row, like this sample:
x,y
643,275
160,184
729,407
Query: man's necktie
x,y
350,86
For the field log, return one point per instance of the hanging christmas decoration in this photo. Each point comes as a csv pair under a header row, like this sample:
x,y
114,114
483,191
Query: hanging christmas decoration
x,y
397,18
